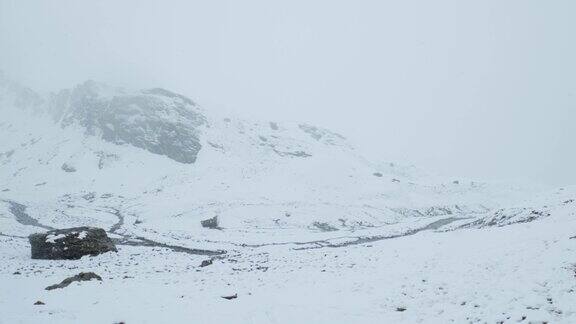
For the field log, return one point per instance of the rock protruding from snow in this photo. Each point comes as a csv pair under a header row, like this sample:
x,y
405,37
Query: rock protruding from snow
x,y
157,120
211,223
70,244
82,276
68,168
321,134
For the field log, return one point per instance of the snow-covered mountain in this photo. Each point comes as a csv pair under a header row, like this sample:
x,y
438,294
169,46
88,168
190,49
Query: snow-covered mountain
x,y
150,165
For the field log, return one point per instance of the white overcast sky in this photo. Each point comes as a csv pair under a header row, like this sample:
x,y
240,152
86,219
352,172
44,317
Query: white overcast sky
x,y
484,89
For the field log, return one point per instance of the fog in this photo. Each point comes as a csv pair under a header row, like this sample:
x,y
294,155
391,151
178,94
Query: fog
x,y
482,89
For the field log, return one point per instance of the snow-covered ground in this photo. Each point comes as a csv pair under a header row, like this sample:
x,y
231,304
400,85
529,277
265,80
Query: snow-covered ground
x,y
308,230
505,274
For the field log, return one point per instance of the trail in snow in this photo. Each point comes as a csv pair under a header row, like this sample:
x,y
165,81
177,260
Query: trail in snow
x,y
363,240
142,241
352,240
19,212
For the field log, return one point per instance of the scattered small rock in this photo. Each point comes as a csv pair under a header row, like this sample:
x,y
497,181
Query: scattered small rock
x,y
17,273
82,276
68,168
206,263
211,223
230,297
89,196
324,227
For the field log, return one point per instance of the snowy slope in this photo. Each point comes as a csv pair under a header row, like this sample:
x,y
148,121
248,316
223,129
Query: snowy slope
x,y
149,165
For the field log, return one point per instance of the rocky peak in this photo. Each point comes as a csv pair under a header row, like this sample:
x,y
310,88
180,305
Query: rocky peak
x,y
157,120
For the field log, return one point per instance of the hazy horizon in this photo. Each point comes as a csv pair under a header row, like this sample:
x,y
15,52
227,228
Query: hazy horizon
x,y
483,90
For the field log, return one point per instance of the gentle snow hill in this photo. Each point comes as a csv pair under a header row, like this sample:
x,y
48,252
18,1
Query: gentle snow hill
x,y
166,164
308,230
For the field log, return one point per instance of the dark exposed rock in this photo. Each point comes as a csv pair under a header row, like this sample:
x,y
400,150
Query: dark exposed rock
x,y
293,154
400,309
82,276
211,223
230,297
320,134
206,263
157,120
70,244
105,159
324,227
39,302
68,168
377,174
89,196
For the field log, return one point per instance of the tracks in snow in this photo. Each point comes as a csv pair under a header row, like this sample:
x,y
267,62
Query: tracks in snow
x,y
19,212
349,240
142,241
369,239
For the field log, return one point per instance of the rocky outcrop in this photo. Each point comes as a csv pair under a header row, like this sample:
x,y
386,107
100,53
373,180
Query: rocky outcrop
x,y
321,134
157,120
82,276
70,244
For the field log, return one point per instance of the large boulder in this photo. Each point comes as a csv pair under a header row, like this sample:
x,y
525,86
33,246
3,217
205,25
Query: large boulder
x,y
70,243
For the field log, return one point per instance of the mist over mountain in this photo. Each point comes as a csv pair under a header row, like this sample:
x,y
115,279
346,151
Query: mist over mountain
x,y
139,205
